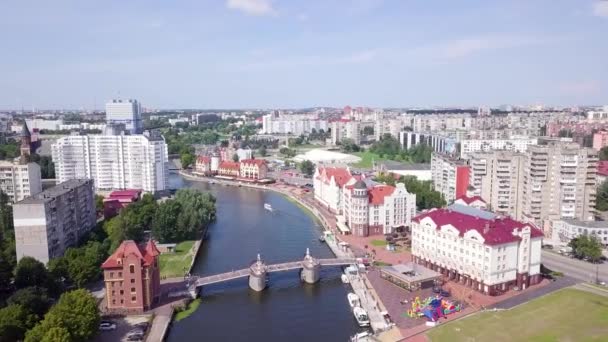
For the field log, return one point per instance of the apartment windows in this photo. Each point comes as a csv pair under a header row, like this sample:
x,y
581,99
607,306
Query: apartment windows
x,y
132,269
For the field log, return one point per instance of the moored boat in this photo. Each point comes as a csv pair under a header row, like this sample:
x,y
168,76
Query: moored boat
x,y
344,278
361,316
353,300
267,206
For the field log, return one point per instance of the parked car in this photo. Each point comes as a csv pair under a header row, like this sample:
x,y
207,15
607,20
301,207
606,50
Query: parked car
x,y
136,331
142,325
444,293
107,326
139,337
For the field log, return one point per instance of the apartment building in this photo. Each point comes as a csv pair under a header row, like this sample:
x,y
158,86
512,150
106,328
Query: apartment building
x,y
497,177
487,252
384,126
19,180
328,183
600,140
255,169
559,182
48,223
562,231
450,176
439,143
125,112
132,278
519,144
114,161
296,125
376,209
345,129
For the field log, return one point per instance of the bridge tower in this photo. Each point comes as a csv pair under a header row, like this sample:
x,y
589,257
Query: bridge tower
x,y
257,275
310,269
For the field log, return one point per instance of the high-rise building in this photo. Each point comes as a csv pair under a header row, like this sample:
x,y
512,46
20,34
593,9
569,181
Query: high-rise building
x,y
450,176
19,180
126,112
48,223
519,144
114,161
559,182
345,129
498,178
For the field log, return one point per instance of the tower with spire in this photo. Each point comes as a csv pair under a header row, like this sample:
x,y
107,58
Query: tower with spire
x,y
26,141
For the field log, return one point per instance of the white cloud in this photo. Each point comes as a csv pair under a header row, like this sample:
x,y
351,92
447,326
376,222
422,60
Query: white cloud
x,y
600,8
459,48
252,7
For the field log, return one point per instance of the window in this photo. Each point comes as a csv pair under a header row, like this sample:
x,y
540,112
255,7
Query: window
x,y
133,298
111,274
122,292
132,281
122,301
113,301
132,289
132,268
119,274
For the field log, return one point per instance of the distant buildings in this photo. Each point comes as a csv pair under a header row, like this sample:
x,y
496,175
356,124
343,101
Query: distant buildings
x,y
600,140
439,143
296,125
132,278
229,169
116,200
519,144
255,169
246,169
47,223
345,129
450,176
472,201
114,161
562,231
480,249
125,112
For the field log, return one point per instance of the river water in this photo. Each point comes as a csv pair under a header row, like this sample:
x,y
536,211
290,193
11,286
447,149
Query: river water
x,y
288,310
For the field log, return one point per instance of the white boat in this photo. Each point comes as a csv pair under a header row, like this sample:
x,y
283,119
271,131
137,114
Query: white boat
x,y
353,300
267,206
322,238
361,316
344,278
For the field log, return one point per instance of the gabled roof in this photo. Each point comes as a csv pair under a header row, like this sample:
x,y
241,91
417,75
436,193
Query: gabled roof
x,y
495,231
378,192
203,159
146,254
128,193
229,165
258,162
25,132
341,175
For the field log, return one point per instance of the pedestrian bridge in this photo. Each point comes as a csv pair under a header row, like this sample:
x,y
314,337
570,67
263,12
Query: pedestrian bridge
x,y
258,271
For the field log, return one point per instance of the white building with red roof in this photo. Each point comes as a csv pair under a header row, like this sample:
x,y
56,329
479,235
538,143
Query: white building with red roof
x,y
202,166
487,252
328,183
472,201
253,169
375,209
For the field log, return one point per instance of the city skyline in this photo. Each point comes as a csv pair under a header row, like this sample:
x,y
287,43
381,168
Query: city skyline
x,y
282,54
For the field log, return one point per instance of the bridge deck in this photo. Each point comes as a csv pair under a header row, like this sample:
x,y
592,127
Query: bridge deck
x,y
287,266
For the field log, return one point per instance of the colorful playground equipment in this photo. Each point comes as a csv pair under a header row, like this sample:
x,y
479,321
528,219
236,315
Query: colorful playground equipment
x,y
433,308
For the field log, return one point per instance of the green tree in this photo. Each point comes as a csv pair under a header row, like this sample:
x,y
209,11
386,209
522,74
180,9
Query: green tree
x,y
235,157
30,272
34,299
76,311
368,130
262,151
603,153
601,200
187,159
586,246
426,197
165,228
57,334
99,203
349,146
15,320
307,167
287,152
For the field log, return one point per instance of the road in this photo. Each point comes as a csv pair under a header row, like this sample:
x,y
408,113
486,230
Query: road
x,y
575,268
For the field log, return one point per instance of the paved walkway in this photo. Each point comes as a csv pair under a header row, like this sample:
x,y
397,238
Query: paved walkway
x,y
533,293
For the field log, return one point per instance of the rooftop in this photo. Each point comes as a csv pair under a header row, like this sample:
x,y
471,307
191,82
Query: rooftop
x,y
145,254
397,166
410,272
56,191
468,200
588,224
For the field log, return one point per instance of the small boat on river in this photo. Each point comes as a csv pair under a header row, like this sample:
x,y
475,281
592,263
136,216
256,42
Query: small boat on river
x,y
268,207
344,278
353,300
361,316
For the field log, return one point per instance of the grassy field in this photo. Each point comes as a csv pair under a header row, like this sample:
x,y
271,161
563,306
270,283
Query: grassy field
x,y
566,315
173,264
378,243
366,159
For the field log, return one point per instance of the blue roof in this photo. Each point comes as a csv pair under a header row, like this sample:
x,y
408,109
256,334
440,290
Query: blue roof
x,y
465,209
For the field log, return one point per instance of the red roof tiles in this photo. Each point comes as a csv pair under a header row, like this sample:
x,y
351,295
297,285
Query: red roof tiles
x,y
146,255
496,231
203,159
258,162
229,165
602,168
468,200
377,194
341,175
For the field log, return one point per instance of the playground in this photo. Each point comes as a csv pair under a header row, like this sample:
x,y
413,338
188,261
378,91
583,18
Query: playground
x,y
566,315
433,308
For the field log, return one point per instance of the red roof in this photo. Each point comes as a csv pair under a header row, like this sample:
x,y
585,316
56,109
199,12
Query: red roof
x,y
377,194
258,162
230,165
132,194
341,175
146,254
602,168
468,200
496,231
203,159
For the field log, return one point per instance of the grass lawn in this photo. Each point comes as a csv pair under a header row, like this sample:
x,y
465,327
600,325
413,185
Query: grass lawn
x,y
566,315
173,264
378,243
366,159
192,306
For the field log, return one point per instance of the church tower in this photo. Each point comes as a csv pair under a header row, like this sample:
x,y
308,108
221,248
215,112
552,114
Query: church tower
x,y
26,141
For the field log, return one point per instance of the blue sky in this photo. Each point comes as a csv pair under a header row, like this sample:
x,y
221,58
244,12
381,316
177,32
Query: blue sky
x,y
302,53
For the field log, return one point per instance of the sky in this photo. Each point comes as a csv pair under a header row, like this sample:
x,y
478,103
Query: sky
x,y
302,53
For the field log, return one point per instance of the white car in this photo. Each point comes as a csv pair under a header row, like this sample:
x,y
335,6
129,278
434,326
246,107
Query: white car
x,y
107,326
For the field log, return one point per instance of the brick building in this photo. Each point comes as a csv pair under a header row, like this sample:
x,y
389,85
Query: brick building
x,y
229,169
132,278
253,169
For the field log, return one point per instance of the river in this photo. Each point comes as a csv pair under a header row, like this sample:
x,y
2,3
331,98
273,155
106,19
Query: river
x,y
287,310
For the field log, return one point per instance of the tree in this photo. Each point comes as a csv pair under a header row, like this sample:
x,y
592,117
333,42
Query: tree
x,y
30,272
14,322
601,201
76,312
349,146
235,157
604,153
307,167
57,334
586,246
287,152
262,151
34,299
368,130
164,228
187,159
99,204
426,197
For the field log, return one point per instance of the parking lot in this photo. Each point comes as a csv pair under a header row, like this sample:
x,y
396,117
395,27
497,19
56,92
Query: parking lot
x,y
123,326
